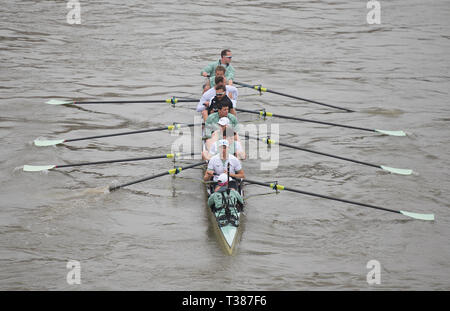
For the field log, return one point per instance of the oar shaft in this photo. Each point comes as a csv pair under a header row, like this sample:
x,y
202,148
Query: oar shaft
x,y
307,120
318,152
116,161
179,169
329,155
124,133
109,161
134,101
118,134
294,97
326,197
342,200
309,100
137,181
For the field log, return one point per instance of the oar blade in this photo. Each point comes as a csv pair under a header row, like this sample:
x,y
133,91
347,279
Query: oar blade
x,y
400,171
37,168
429,217
59,102
45,143
391,133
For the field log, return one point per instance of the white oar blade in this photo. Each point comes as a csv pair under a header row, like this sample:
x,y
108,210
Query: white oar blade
x,y
429,217
58,102
37,168
45,143
391,133
399,171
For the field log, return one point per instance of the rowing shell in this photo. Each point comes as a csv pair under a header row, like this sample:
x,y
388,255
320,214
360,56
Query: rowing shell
x,y
227,224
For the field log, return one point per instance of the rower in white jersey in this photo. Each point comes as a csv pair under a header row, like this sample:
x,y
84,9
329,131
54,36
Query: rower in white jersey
x,y
208,96
218,164
224,132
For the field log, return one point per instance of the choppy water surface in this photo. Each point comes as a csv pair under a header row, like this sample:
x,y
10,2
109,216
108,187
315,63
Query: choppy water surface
x,y
157,235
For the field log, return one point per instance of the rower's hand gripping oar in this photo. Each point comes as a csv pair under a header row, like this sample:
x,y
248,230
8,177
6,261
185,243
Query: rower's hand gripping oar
x,y
173,171
394,170
277,187
45,143
172,100
263,113
263,89
38,168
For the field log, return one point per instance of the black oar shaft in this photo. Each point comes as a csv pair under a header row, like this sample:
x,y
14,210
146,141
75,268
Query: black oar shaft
x,y
137,181
125,133
134,101
292,96
110,161
321,153
115,161
307,120
113,188
329,155
309,100
325,197
118,134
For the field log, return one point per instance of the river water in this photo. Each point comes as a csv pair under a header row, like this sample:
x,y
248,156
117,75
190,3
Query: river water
x,y
156,235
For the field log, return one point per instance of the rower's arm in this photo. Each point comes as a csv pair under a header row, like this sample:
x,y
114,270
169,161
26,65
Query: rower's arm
x,y
209,69
210,127
229,74
231,89
202,104
239,174
241,155
208,175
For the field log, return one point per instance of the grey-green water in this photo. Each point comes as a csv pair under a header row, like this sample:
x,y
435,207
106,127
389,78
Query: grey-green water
x,y
156,235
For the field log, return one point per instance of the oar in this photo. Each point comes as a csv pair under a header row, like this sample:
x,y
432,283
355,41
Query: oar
x,y
172,101
38,168
173,171
383,167
264,113
43,143
276,186
263,89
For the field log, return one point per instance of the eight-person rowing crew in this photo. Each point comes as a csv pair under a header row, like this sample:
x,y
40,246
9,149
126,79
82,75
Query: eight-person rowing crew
x,y
223,149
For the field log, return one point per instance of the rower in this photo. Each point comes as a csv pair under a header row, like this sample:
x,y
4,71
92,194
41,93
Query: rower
x,y
213,139
209,70
224,197
232,91
218,165
208,96
235,146
219,72
211,123
222,99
